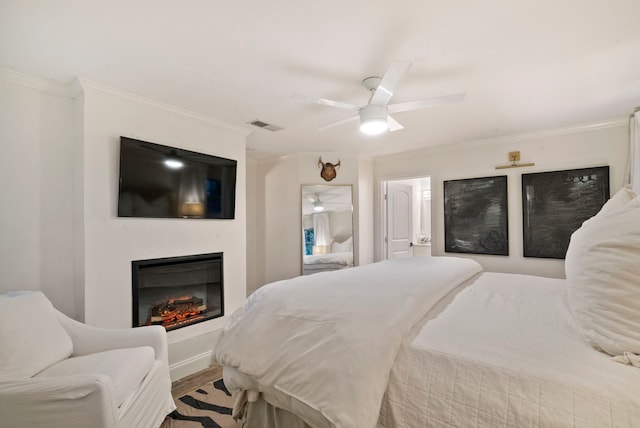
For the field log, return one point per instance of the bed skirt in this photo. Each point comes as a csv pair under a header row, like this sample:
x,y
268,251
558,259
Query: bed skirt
x,y
260,414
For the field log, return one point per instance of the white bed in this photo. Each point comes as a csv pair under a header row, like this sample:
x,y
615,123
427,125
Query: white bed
x,y
436,342
506,353
498,350
327,262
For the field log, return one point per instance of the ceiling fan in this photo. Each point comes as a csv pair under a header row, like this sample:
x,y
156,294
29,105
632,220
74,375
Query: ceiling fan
x,y
317,204
374,116
330,201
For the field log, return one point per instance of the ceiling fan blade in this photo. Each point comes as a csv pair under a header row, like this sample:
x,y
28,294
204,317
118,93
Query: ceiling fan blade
x,y
427,102
389,82
393,124
324,102
339,104
338,123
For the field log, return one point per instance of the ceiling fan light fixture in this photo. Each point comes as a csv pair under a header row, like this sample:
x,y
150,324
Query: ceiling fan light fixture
x,y
172,161
374,126
318,205
373,119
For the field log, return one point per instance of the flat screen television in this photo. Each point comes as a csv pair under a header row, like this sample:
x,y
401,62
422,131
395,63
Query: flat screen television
x,y
158,181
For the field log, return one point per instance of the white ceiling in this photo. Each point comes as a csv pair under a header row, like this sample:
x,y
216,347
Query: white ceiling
x,y
525,65
333,197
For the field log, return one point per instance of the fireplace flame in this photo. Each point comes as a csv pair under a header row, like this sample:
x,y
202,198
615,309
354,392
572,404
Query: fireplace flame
x,y
177,311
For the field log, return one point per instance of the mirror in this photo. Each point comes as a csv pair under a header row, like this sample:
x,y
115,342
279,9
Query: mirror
x,y
327,228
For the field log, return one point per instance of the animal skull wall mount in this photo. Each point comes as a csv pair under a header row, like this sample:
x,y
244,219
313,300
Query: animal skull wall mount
x,y
328,171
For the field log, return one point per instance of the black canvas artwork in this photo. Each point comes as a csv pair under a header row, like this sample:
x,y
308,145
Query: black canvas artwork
x,y
555,204
475,216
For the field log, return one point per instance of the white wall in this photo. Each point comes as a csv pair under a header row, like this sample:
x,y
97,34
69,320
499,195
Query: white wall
x,y
426,217
252,226
365,211
111,243
417,208
582,146
279,212
36,187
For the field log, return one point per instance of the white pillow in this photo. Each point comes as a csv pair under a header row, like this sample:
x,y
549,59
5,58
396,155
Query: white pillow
x,y
619,200
345,246
31,338
603,272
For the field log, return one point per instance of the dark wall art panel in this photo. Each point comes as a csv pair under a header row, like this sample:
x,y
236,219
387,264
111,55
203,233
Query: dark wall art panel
x,y
555,204
475,216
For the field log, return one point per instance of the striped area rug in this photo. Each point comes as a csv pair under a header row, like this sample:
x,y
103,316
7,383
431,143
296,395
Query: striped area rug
x,y
207,407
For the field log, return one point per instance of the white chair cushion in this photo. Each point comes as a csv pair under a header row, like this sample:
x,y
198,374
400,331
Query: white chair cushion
x,y
125,377
31,339
603,272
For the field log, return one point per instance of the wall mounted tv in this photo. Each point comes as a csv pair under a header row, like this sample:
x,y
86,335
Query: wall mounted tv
x,y
164,182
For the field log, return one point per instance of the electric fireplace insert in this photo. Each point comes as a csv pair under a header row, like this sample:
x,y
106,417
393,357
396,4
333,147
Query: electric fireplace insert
x,y
175,292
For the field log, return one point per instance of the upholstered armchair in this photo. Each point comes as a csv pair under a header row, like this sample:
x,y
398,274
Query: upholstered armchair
x,y
57,372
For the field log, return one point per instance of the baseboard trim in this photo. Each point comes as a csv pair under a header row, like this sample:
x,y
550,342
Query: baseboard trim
x,y
189,366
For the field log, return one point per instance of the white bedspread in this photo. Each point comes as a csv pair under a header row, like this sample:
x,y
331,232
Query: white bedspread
x,y
339,331
506,353
343,258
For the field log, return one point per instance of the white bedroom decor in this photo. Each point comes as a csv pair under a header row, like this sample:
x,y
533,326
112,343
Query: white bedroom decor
x,y
603,274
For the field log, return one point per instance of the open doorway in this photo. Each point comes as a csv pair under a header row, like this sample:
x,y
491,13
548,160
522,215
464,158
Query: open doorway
x,y
406,217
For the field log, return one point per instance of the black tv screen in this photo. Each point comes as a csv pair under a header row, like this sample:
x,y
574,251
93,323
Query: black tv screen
x,y
165,182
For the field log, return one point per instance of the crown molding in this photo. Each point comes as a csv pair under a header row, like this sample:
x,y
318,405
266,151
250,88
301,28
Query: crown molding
x,y
277,158
547,133
78,86
45,85
517,138
89,84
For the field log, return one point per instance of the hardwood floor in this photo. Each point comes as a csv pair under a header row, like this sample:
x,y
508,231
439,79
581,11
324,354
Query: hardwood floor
x,y
192,382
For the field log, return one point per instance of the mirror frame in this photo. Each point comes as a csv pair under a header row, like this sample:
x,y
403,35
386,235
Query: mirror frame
x,y
302,214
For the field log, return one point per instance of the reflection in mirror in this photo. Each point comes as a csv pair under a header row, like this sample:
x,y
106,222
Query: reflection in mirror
x,y
327,228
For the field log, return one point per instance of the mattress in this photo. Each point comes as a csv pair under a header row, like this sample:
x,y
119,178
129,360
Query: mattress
x,y
505,352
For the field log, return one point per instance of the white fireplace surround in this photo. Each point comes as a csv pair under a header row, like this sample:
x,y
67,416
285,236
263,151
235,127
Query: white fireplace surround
x,y
111,243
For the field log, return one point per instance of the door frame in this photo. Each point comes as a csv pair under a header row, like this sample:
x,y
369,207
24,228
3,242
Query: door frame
x,y
383,206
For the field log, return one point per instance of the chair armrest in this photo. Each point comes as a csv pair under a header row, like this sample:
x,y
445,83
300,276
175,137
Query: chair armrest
x,y
73,401
88,339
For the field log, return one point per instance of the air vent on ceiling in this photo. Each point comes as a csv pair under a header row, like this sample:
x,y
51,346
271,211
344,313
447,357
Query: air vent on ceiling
x,y
265,125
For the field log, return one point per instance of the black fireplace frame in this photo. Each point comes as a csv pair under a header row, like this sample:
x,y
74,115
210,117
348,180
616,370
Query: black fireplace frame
x,y
136,265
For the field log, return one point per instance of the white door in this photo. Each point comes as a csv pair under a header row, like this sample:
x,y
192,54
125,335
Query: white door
x,y
399,220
